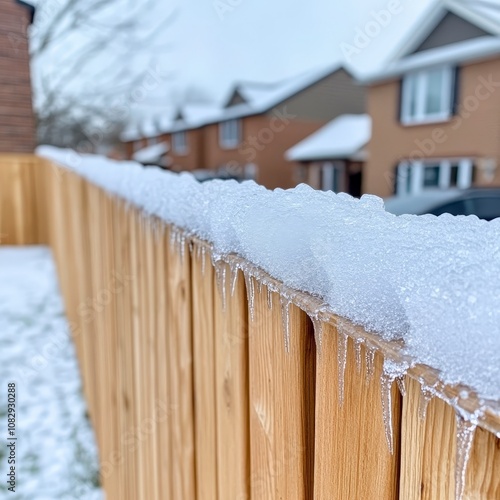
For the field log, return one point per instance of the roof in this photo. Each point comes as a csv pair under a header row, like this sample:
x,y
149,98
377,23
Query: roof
x,y
402,61
264,98
151,154
342,138
259,98
29,6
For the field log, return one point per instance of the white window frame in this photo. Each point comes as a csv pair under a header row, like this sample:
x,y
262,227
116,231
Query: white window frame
x,y
332,176
179,142
421,79
230,134
410,175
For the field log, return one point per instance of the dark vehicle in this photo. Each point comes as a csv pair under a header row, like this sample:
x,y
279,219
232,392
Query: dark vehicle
x,y
484,203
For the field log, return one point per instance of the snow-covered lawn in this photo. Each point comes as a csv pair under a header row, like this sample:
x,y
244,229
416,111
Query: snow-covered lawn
x,y
56,457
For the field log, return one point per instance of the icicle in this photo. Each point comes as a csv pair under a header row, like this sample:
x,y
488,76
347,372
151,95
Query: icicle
x,y
269,298
260,286
385,386
234,277
392,371
220,277
357,354
318,333
250,294
203,259
198,251
342,358
182,246
370,365
285,317
465,437
173,238
423,402
401,385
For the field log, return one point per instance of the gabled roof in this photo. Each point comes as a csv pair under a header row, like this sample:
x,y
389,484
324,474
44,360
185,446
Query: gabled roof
x,y
257,98
435,14
342,138
405,58
263,98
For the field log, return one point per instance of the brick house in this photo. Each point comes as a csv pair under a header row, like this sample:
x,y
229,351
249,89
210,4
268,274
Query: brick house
x,y
17,123
249,135
435,108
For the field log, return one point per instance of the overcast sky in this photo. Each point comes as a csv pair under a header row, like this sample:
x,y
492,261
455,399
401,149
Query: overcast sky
x,y
212,43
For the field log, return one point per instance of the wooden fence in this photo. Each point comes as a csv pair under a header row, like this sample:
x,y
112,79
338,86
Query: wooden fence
x,y
191,398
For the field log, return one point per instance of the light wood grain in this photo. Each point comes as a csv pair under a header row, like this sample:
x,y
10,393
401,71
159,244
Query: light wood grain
x,y
352,459
190,401
231,373
205,405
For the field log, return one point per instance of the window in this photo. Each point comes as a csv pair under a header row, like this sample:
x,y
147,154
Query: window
x,y
136,145
332,177
427,96
179,142
153,140
417,176
229,134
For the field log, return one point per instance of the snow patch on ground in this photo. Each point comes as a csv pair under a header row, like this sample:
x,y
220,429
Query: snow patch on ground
x,y
56,452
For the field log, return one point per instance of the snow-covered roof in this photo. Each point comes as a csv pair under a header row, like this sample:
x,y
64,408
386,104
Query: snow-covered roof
x,y
457,53
266,97
259,98
485,17
151,154
192,116
341,138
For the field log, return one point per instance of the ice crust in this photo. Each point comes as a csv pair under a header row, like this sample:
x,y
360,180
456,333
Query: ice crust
x,y
433,281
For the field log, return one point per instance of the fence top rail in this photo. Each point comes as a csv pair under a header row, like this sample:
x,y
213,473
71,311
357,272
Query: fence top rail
x,y
425,284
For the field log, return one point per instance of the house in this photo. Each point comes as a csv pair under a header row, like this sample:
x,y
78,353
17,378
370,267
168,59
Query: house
x,y
332,158
248,136
435,108
17,123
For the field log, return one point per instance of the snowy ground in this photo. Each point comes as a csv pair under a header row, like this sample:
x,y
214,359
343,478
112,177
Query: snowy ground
x,y
56,456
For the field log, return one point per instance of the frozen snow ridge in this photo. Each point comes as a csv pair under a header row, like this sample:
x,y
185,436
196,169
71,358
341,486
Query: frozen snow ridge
x,y
430,280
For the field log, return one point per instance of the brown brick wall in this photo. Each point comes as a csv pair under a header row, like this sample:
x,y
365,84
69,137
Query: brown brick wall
x,y
474,132
264,142
17,125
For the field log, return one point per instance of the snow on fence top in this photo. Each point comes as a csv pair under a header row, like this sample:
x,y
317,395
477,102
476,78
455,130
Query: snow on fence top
x,y
433,281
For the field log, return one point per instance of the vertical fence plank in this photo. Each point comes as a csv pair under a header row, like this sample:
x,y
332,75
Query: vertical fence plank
x,y
344,435
180,361
164,405
429,452
281,403
202,287
231,369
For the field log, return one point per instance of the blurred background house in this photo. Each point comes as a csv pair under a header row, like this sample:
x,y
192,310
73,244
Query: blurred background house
x,y
435,107
17,123
248,136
